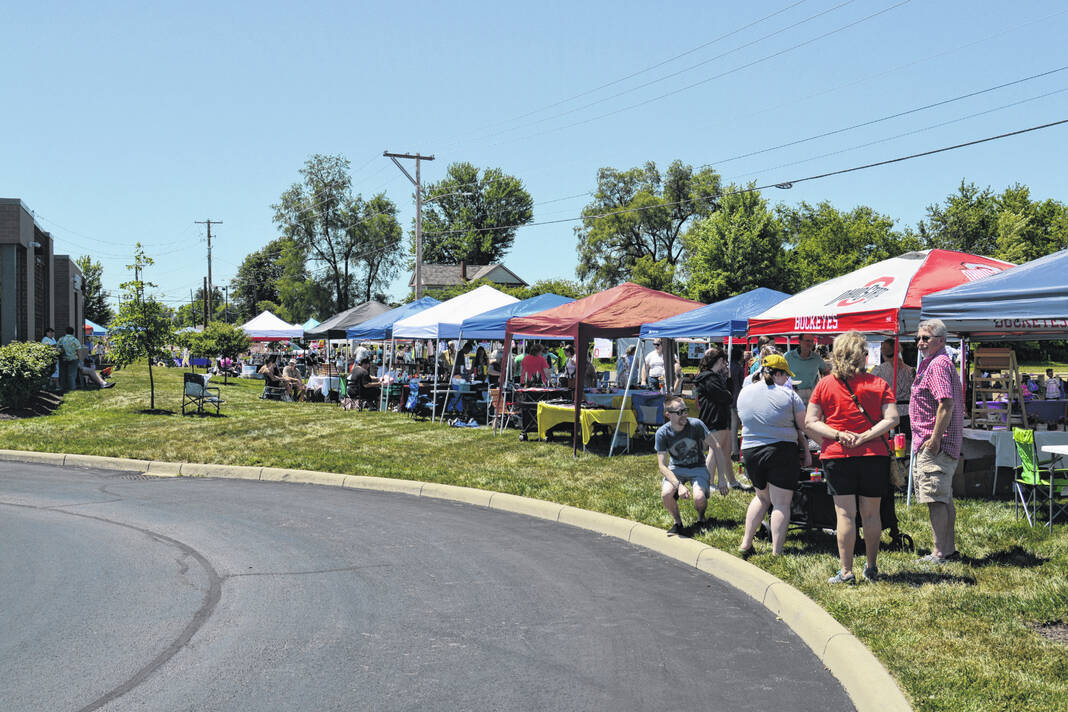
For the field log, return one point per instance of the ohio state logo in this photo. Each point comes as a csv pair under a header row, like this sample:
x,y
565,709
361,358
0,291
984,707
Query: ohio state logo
x,y
871,290
973,271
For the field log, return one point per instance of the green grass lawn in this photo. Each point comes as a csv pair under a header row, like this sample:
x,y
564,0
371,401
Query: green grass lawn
x,y
958,638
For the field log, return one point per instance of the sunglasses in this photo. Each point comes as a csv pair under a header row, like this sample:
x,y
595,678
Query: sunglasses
x,y
675,412
926,338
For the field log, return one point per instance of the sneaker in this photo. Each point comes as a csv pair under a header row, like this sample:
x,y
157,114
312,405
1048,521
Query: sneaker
x,y
839,578
676,530
737,485
109,384
871,573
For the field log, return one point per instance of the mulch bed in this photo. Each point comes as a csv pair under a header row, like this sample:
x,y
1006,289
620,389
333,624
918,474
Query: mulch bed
x,y
44,403
1057,632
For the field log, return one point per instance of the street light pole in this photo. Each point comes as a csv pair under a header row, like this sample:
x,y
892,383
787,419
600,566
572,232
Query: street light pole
x,y
418,212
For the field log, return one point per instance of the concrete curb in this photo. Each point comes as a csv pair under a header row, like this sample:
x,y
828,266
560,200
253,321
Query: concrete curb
x,y
869,685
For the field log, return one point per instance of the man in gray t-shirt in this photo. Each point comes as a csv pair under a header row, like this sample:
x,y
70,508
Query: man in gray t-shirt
x,y
684,455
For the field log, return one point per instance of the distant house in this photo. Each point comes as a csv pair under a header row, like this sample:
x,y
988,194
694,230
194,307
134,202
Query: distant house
x,y
441,276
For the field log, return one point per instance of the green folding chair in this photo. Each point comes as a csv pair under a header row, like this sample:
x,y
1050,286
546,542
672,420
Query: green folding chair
x,y
342,389
1038,483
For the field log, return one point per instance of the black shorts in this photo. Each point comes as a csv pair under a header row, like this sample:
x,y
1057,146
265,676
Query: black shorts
x,y
778,464
868,476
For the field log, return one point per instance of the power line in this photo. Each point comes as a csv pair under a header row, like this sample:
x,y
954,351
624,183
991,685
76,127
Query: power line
x,y
885,118
780,184
717,76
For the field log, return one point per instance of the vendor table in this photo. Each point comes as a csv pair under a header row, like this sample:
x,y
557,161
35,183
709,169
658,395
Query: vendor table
x,y
324,384
526,404
1005,448
550,414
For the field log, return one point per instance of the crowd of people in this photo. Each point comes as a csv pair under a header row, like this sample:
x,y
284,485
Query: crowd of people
x,y
785,406
74,359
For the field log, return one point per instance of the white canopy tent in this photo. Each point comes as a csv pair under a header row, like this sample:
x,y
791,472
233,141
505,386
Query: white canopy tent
x,y
268,327
442,321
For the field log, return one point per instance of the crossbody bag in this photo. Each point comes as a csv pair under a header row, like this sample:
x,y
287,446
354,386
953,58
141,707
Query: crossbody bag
x,y
898,473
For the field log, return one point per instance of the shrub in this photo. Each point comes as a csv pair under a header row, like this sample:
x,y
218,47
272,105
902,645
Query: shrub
x,y
24,370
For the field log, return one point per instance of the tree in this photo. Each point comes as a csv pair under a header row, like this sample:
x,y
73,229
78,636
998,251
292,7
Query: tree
x,y
1027,229
93,292
967,222
823,243
640,214
143,327
223,340
192,313
378,237
473,218
736,249
339,231
256,278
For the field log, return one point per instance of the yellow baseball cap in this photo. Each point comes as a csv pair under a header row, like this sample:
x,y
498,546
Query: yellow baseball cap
x,y
777,362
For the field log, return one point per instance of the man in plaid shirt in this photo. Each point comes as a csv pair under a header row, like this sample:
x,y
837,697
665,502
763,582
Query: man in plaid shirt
x,y
937,419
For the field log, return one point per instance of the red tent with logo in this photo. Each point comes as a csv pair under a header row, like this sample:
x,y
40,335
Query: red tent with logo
x,y
615,313
881,298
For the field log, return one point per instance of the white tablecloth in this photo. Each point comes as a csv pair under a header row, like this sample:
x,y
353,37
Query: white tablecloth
x,y
324,383
1005,448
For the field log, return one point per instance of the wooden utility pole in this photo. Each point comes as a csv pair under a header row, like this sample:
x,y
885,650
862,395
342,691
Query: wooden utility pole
x,y
418,212
207,293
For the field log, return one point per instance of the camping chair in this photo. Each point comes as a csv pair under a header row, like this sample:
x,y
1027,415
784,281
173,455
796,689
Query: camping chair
x,y
505,413
1031,488
197,392
274,392
648,411
417,405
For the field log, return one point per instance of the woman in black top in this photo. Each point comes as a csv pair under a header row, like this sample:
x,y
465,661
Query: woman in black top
x,y
712,387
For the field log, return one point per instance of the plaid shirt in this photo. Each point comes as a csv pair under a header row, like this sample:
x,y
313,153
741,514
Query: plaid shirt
x,y
936,378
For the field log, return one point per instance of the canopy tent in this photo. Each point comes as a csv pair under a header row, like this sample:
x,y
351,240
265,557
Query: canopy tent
x,y
443,321
1029,301
94,329
381,326
614,313
491,324
881,298
268,327
336,326
310,324
729,317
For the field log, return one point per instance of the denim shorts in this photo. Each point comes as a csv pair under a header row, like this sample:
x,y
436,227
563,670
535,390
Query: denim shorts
x,y
697,475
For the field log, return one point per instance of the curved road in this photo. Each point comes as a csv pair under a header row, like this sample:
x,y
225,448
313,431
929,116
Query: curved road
x,y
123,592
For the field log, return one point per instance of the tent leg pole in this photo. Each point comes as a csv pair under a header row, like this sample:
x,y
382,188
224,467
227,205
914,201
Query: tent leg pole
x,y
434,387
623,404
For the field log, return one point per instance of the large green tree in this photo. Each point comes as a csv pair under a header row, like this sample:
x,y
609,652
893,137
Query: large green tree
x,y
737,248
473,217
632,229
339,230
1028,229
93,292
967,221
278,274
823,242
379,253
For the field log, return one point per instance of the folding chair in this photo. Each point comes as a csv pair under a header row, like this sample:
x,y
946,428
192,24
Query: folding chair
x,y
197,392
417,405
1032,490
273,392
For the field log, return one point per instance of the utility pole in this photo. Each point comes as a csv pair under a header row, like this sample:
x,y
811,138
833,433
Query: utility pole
x,y
207,294
418,212
205,302
226,304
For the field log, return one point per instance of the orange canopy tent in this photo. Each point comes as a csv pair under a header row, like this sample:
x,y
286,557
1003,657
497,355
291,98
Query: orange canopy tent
x,y
615,313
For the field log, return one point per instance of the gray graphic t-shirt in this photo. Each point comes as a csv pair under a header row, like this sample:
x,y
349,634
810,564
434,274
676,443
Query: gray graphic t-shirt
x,y
684,447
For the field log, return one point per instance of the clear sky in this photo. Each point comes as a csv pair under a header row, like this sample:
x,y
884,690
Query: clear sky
x,y
128,121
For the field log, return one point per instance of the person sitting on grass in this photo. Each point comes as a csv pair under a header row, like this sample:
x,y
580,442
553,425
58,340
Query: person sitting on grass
x,y
363,387
680,443
87,368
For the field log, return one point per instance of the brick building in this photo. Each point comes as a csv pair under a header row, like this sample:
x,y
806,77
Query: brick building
x,y
38,288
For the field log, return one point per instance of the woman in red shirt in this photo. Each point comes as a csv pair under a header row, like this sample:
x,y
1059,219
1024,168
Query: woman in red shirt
x,y
854,454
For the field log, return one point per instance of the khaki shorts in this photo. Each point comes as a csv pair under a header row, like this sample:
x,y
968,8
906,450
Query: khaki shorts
x,y
934,477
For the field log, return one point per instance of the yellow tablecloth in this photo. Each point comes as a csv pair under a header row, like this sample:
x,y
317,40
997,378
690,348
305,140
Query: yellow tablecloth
x,y
550,415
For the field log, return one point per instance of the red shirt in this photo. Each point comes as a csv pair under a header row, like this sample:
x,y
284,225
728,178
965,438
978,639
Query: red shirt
x,y
533,368
841,413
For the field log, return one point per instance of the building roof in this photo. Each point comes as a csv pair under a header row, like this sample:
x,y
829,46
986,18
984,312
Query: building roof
x,y
446,275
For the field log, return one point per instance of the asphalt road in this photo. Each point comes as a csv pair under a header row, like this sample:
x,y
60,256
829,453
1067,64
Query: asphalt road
x,y
121,592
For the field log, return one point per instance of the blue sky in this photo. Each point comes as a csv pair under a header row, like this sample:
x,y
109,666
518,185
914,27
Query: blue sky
x,y
127,121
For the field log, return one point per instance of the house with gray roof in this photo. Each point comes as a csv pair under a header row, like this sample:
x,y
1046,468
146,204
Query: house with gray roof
x,y
441,276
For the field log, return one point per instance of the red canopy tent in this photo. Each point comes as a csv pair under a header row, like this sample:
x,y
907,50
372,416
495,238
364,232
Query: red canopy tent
x,y
614,313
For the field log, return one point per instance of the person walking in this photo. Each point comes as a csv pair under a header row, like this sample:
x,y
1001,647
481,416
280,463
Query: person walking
x,y
853,411
936,411
773,421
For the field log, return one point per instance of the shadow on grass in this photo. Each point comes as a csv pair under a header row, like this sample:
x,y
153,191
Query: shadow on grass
x,y
923,578
155,411
1016,556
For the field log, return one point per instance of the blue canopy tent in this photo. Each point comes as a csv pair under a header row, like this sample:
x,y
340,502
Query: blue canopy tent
x,y
729,317
94,329
380,327
1029,301
491,324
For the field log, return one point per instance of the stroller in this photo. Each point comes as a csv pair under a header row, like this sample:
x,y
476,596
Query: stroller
x,y
418,404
